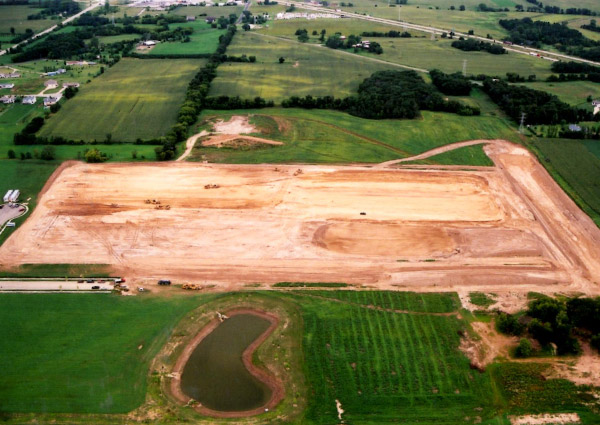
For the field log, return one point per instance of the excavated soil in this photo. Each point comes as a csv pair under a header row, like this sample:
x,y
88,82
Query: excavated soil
x,y
503,228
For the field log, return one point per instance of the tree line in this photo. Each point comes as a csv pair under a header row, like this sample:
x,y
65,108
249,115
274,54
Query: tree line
x,y
387,94
540,107
470,45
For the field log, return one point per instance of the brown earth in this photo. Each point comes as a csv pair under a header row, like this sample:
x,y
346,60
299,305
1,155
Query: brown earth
x,y
503,228
237,141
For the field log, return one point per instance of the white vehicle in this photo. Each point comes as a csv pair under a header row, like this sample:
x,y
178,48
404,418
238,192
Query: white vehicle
x,y
8,195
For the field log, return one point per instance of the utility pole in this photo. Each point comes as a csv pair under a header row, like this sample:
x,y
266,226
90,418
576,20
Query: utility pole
x,y
522,126
465,67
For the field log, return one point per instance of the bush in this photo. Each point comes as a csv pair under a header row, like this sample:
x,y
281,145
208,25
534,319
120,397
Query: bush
x,y
524,349
509,325
48,153
95,156
11,154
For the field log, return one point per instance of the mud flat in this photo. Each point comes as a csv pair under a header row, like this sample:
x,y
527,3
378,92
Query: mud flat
x,y
386,227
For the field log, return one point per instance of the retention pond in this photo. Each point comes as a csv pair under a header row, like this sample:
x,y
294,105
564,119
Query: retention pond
x,y
216,373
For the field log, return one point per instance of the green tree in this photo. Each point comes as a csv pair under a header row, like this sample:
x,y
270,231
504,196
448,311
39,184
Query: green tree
x,y
281,59
95,156
524,349
48,153
11,154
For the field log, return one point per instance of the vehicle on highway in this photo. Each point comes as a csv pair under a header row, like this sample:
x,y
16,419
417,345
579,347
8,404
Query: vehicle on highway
x,y
95,287
164,282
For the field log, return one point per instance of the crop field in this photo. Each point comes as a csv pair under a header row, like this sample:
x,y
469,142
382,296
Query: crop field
x,y
81,363
575,165
203,40
116,38
136,98
207,10
336,137
16,17
307,69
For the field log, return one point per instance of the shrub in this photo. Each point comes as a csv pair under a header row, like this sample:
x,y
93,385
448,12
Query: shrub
x,y
48,153
524,349
94,156
508,324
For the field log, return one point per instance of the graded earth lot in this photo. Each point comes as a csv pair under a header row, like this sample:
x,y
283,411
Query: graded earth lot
x,y
389,225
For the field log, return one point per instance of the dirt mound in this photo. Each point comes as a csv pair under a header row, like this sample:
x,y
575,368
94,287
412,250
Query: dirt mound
x,y
236,141
238,124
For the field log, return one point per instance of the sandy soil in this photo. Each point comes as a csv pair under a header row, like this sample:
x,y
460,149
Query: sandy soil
x,y
547,418
235,140
238,124
502,229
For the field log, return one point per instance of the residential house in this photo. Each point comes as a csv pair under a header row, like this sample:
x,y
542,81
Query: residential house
x,y
51,100
51,84
8,99
29,100
66,85
6,86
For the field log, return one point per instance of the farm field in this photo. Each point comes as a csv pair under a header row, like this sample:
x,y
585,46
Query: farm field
x,y
572,92
134,99
575,165
307,70
321,136
15,16
419,51
306,225
73,368
384,356
201,11
203,40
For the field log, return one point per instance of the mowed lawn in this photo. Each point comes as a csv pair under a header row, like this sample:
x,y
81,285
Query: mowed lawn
x,y
82,353
308,69
324,136
136,98
15,16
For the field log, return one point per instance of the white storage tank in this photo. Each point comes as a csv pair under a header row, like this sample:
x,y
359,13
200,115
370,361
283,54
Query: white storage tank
x,y
15,195
7,196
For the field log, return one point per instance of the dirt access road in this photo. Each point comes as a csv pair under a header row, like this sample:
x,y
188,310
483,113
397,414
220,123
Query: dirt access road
x,y
508,227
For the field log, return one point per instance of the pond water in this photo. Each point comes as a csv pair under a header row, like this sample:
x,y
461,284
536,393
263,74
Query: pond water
x,y
215,374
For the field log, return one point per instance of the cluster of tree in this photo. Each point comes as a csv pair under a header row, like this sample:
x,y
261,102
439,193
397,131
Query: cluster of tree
x,y
387,94
450,84
591,26
535,33
55,7
462,8
561,78
470,45
390,34
27,135
539,7
482,7
540,107
513,77
302,35
20,37
336,42
226,102
564,132
558,322
248,18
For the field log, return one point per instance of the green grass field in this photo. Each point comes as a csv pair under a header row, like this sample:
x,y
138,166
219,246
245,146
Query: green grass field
x,y
307,69
136,98
204,39
116,38
473,155
317,136
84,353
16,17
575,165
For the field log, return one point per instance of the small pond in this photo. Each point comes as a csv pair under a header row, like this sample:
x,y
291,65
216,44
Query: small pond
x,y
215,374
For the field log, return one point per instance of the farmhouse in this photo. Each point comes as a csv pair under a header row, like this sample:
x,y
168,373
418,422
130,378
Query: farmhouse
x,y
80,63
6,86
8,99
51,84
29,100
149,43
210,19
11,75
66,85
596,103
190,18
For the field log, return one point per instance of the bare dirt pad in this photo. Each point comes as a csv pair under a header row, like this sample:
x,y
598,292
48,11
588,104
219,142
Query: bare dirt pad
x,y
237,141
548,418
505,227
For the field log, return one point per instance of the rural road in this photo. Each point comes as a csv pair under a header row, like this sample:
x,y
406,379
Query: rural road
x,y
433,152
189,144
52,28
438,31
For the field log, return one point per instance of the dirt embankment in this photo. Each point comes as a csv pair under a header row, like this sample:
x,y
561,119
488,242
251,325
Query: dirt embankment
x,y
274,384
